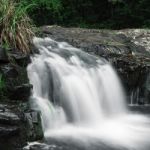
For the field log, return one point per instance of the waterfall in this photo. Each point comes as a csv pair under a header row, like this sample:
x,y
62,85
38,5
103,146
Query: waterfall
x,y
80,97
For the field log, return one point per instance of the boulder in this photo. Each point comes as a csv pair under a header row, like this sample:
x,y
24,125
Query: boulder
x,y
147,88
8,118
144,109
17,127
21,92
140,37
8,131
9,123
20,58
34,125
134,73
9,71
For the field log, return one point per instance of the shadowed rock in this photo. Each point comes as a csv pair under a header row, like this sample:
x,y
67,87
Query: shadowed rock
x,y
7,131
9,71
3,56
21,92
20,58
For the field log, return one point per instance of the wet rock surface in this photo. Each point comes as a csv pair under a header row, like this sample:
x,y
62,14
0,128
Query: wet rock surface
x,y
34,125
144,109
7,131
20,58
124,49
9,122
140,37
21,92
7,117
15,129
10,125
9,71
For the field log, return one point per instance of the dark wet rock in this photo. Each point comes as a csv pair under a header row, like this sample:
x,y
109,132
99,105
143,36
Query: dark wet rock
x,y
7,131
123,49
133,72
2,109
15,93
9,118
9,127
3,56
20,58
34,50
14,80
21,92
17,126
9,70
140,37
147,88
34,125
144,109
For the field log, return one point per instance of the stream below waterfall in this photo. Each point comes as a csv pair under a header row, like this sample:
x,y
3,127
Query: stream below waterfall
x,y
82,102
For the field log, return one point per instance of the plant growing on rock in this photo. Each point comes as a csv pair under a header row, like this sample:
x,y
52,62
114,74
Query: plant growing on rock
x,y
16,29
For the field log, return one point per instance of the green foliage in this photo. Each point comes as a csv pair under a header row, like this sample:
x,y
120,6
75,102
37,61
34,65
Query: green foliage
x,y
114,14
44,11
15,25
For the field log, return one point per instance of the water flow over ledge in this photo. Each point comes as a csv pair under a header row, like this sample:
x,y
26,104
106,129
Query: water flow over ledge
x,y
81,98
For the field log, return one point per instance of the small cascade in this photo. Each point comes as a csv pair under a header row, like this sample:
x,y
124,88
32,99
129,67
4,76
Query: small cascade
x,y
80,98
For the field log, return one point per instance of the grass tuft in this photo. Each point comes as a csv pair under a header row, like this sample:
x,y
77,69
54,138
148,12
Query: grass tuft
x,y
16,29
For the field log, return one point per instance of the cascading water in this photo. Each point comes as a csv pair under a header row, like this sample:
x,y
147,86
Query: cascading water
x,y
80,98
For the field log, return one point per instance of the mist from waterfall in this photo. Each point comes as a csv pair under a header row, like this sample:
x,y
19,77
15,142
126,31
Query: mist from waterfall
x,y
80,98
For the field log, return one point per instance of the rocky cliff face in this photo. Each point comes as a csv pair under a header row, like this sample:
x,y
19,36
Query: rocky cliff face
x,y
127,50
18,123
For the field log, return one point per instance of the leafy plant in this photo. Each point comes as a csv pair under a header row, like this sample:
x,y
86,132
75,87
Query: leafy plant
x,y
44,11
16,28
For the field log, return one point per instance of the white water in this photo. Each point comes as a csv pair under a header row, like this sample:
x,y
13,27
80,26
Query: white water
x,y
81,98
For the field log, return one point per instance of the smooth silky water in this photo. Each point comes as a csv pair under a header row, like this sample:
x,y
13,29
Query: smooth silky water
x,y
82,102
